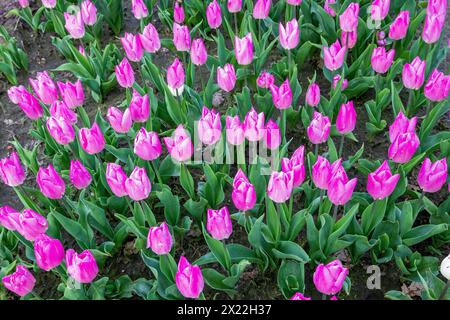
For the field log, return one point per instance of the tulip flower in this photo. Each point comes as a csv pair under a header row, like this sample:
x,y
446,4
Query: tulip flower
x,y
381,183
432,29
272,136
349,39
340,189
23,3
159,239
26,101
88,12
282,96
413,74
125,74
61,130
336,80
150,39
381,60
79,175
179,145
313,95
138,185
401,125
11,170
175,77
234,6
254,125
59,109
82,267
181,37
280,186
348,20
92,140
214,15
226,77
437,87
16,93
209,127
21,282
189,279
218,223
399,27
31,224
74,25
147,145
50,182
133,46
261,9
289,35
49,4
432,176
234,130
330,278
178,12
294,2
319,129
244,194
445,268
299,296
9,218
49,252
328,8
265,80
403,147
379,9
346,118
120,121
139,9
44,87
115,177
321,173
296,166
139,107
243,49
198,52
334,56
71,93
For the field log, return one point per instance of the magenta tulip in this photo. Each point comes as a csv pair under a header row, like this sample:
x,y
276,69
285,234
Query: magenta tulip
x,y
234,5
21,282
226,77
11,170
330,278
74,25
59,109
23,3
399,27
82,267
334,56
349,39
214,15
381,60
133,46
401,125
181,37
348,20
265,80
261,9
120,121
139,9
79,175
198,52
49,252
432,29
175,77
346,118
282,96
218,223
403,147
72,93
179,145
289,35
321,173
279,188
139,107
299,296
272,135
50,182
313,95
147,145
209,127
437,87
88,12
244,194
125,74
26,101
336,80
328,8
296,166
432,176
150,39
138,185
44,87
340,189
234,130
159,239
254,125
379,9
9,218
413,74
178,12
243,49
381,183
31,224
115,177
189,279
92,140
318,130
61,130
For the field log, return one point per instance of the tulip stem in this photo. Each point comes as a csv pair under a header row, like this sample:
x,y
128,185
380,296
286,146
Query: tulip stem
x,y
444,291
156,173
289,64
341,145
68,208
316,150
236,29
283,125
335,212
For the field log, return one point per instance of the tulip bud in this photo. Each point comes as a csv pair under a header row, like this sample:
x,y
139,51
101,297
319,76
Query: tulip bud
x,y
115,177
160,239
280,186
381,183
313,95
294,2
432,176
214,15
437,86
72,94
61,130
254,125
181,37
189,279
432,29
321,173
49,252
133,46
49,4
234,5
349,39
340,189
147,145
23,3
179,145
9,218
334,56
413,74
178,12
261,9
150,39
218,223
21,282
403,147
346,118
79,175
379,9
198,52
125,74
11,170
299,296
399,27
31,224
445,268
296,166
272,136
88,12
226,77
289,35
329,278
139,107
74,25
81,267
59,109
381,60
175,77
16,93
92,140
243,195
282,96
209,127
50,182
265,80
138,185
44,87
139,9
319,129
120,122
234,130
329,9
348,20
28,103
336,80
401,125
243,49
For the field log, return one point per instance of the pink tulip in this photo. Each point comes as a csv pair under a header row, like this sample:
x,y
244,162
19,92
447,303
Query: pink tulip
x,y
321,173
16,93
125,74
381,60
432,176
209,127
139,9
413,74
243,49
31,224
401,125
179,145
346,118
294,2
214,15
59,109
26,101
348,20
313,95
189,279
115,177
21,282
243,195
234,130
160,239
92,140
381,183
218,223
282,96
23,3
178,12
319,129
139,107
330,278
74,25
226,77
82,267
79,175
261,9
45,88
11,170
198,52
81,50
432,29
254,125
61,130
150,39
437,87
299,296
336,80
280,186
234,5
265,80
120,121
296,166
72,94
49,4
349,39
181,37
340,189
50,182
175,77
49,252
138,185
328,8
379,9
88,12
147,145
9,218
272,136
334,56
133,46
289,35
403,147
399,27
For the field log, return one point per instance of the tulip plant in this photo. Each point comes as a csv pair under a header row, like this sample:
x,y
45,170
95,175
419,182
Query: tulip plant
x,y
220,131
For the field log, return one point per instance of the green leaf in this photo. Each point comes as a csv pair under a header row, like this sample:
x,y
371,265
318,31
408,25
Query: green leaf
x,y
373,215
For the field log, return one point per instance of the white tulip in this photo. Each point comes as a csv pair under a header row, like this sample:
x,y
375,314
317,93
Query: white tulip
x,y
445,267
